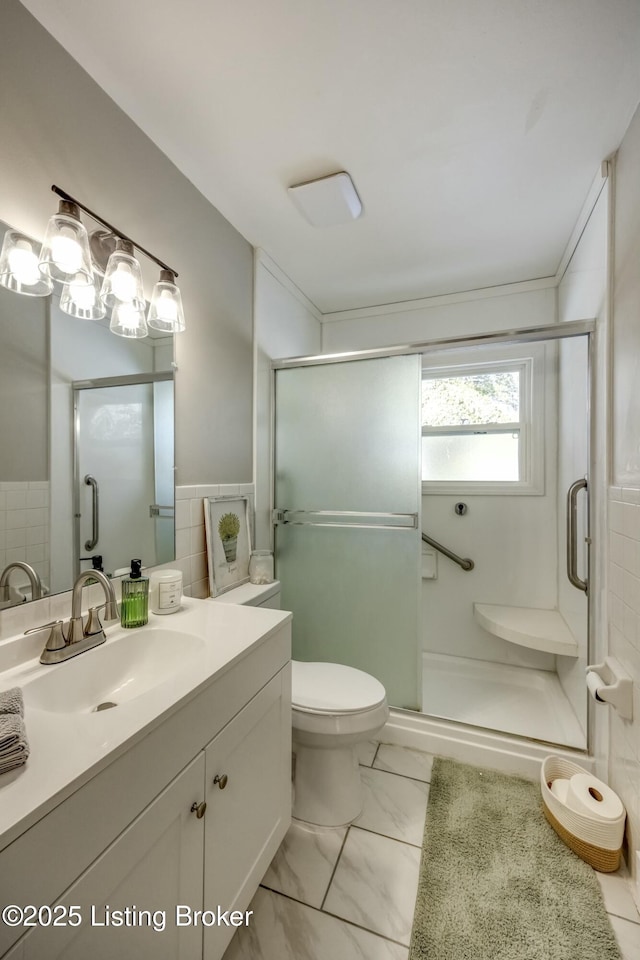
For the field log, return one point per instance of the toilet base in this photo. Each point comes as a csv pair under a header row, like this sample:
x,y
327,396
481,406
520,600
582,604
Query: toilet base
x,y
328,789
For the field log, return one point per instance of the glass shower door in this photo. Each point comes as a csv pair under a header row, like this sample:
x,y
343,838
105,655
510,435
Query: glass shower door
x,y
347,497
124,474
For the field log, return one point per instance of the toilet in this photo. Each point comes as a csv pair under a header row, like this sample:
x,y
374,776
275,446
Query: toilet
x,y
334,708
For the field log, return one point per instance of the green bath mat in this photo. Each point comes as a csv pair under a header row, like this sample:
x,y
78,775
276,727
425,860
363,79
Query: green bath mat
x,y
496,883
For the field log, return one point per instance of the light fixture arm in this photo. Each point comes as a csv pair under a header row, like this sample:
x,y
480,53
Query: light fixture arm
x,y
118,233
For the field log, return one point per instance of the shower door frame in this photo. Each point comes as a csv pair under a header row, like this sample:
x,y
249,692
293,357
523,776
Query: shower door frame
x,y
78,386
557,331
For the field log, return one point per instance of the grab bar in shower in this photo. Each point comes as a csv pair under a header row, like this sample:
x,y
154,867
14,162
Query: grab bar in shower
x,y
463,562
572,535
95,512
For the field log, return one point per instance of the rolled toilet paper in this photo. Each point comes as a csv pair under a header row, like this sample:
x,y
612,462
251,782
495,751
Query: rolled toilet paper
x,y
594,683
560,788
588,795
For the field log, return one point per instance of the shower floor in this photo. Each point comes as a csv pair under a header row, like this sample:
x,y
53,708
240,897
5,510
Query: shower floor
x,y
496,696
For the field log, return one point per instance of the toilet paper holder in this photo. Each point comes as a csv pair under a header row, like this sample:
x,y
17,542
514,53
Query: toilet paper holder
x,y
609,682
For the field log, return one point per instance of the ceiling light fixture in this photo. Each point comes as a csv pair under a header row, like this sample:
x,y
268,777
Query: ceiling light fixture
x,y
327,201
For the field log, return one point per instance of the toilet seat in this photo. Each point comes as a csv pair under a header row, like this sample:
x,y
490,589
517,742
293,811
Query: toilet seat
x,y
333,689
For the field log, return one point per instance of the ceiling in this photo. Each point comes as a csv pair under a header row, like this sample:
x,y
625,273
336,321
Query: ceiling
x,y
472,130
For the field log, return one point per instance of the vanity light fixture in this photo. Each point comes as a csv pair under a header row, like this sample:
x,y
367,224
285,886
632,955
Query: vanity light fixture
x,y
123,278
65,252
128,320
19,270
81,300
66,257
122,288
165,312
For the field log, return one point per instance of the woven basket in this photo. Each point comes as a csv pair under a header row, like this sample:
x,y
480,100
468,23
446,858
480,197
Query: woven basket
x,y
597,842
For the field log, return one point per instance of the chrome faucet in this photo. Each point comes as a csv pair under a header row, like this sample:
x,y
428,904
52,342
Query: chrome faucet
x,y
34,580
67,640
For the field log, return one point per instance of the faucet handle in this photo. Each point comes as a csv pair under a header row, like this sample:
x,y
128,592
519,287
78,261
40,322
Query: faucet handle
x,y
43,626
94,624
111,611
56,639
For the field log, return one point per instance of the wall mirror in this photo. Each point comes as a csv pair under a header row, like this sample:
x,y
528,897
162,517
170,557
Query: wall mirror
x,y
86,446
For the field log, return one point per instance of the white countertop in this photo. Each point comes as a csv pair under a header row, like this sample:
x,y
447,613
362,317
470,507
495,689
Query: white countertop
x,y
68,749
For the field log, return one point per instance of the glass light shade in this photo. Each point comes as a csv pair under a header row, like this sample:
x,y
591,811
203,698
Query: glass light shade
x,y
122,279
127,320
81,300
65,250
165,312
19,266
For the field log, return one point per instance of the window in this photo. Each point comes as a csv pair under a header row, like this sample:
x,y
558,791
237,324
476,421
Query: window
x,y
481,429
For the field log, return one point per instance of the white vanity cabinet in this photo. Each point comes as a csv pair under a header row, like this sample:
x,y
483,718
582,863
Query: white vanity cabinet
x,y
248,775
155,864
228,747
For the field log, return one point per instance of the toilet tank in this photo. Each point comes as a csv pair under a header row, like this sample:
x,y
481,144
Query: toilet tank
x,y
253,595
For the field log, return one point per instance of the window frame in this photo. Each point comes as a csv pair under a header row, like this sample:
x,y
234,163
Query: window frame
x,y
529,362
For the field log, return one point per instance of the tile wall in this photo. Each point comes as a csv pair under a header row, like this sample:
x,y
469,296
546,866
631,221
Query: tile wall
x,y
24,527
191,559
191,555
624,645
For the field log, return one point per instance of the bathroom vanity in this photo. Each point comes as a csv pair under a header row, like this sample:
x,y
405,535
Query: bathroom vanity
x,y
128,822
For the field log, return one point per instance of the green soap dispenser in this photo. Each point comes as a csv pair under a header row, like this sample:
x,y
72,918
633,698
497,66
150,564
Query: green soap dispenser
x,y
134,609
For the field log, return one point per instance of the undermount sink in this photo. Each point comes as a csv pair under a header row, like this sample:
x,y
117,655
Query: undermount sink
x,y
114,673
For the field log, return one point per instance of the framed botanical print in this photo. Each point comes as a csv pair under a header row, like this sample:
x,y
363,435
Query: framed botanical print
x,y
227,525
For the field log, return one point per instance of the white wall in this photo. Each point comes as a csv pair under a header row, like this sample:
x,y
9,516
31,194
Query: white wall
x,y
513,306
582,294
624,496
24,372
286,325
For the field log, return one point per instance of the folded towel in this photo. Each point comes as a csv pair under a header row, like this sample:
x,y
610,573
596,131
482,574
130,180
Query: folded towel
x,y
14,746
11,701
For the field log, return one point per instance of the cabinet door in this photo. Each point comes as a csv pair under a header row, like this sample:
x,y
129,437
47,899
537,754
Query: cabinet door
x,y
154,864
247,819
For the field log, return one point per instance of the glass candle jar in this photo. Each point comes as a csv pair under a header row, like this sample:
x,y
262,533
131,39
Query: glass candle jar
x,y
261,566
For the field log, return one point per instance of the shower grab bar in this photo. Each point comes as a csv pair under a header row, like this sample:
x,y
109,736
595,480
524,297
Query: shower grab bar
x,y
95,512
464,562
346,518
572,535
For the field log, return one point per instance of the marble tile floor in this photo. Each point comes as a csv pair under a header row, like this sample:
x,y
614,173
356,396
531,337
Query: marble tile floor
x,y
349,893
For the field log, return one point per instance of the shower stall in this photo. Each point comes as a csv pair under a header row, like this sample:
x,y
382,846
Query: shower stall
x,y
431,523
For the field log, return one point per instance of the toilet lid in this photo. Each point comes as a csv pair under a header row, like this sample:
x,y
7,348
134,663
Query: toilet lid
x,y
333,688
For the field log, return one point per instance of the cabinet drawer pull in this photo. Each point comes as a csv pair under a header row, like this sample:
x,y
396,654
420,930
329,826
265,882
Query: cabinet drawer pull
x,y
220,780
199,809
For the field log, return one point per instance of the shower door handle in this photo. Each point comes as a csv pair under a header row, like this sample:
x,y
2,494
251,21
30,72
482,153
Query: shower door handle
x,y
572,535
95,512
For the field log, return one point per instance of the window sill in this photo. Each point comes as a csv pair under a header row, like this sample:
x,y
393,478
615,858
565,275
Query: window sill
x,y
481,489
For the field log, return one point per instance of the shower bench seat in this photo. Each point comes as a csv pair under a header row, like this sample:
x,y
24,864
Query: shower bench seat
x,y
544,630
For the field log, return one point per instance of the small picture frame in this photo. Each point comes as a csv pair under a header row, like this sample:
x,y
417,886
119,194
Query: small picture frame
x,y
227,526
